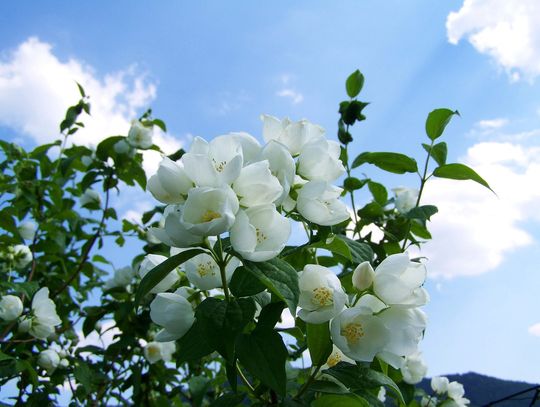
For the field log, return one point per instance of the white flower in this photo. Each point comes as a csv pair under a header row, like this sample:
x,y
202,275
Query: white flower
x,y
319,203
414,369
121,278
11,307
121,147
457,402
319,160
170,184
149,262
256,185
363,276
321,294
44,317
172,312
139,135
398,281
90,197
203,272
156,351
439,384
22,256
64,363
209,211
455,390
335,357
27,230
174,232
49,360
216,163
294,135
260,232
407,326
250,146
405,198
282,166
358,332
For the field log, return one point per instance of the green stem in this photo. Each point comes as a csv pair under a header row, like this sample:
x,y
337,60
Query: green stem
x,y
222,265
348,169
308,382
423,178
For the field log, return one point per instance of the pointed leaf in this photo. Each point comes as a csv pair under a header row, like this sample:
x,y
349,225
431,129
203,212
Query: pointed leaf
x,y
354,83
437,121
391,162
460,172
158,273
438,152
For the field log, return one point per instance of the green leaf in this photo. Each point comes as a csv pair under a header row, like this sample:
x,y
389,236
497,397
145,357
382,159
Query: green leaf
x,y
360,252
379,192
106,147
228,400
460,172
270,315
424,212
158,273
244,284
352,183
438,151
362,378
264,354
193,345
221,321
334,244
197,388
340,400
319,342
354,83
392,162
437,121
160,124
279,277
81,89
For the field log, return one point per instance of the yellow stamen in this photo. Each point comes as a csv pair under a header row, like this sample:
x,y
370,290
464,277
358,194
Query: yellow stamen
x,y
352,332
322,296
210,215
205,268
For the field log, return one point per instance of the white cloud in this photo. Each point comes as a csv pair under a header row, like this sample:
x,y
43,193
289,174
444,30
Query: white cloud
x,y
36,88
474,229
507,31
291,94
491,124
287,91
535,329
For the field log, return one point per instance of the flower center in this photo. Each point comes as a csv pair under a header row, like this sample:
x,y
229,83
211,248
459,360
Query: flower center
x,y
219,166
210,215
322,296
333,359
153,351
261,237
352,332
205,268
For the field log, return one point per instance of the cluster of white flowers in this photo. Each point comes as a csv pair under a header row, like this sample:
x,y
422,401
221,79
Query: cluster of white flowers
x,y
449,394
382,320
50,359
18,257
234,185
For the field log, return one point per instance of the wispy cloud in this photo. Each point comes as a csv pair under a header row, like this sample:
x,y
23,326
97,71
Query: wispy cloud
x,y
507,31
491,124
288,91
535,329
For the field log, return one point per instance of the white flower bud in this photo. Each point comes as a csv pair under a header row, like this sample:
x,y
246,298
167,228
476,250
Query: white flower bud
x,y
405,198
27,230
439,384
11,307
414,369
22,256
363,276
49,360
172,312
170,184
90,197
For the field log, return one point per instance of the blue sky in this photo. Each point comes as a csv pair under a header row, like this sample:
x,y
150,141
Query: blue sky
x,y
208,68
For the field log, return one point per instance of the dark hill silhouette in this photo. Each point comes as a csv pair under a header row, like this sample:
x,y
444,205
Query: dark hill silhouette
x,y
482,390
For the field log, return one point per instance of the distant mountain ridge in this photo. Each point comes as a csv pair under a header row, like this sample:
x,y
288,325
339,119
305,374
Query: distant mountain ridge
x,y
482,390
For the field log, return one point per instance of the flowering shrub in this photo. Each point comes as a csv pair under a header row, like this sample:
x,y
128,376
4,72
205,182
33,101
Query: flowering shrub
x,y
218,309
